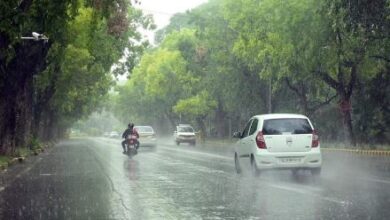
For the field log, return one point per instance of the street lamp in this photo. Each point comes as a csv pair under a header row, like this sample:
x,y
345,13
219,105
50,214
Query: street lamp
x,y
36,36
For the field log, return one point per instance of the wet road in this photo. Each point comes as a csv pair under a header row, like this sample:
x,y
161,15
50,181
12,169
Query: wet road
x,y
92,179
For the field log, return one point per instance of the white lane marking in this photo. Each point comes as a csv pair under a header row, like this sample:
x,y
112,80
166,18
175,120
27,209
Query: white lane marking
x,y
161,206
305,191
375,180
198,153
46,174
2,188
24,171
308,193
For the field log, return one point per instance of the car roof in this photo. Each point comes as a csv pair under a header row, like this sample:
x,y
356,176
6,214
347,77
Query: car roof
x,y
184,125
139,126
278,115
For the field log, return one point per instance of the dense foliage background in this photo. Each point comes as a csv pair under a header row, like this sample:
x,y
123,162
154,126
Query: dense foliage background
x,y
219,64
46,86
214,67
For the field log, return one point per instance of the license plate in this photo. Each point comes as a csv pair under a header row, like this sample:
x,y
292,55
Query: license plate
x,y
290,160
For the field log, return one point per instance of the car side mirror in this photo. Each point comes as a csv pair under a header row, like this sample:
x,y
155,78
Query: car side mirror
x,y
237,134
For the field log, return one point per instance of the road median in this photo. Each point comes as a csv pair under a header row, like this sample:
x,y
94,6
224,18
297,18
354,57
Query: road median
x,y
358,151
353,151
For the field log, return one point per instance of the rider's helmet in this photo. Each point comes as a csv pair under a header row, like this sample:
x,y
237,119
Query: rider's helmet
x,y
130,125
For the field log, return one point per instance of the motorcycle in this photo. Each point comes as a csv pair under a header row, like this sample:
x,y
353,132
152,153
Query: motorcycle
x,y
131,145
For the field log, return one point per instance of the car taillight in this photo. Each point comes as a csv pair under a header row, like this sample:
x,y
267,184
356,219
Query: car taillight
x,y
260,140
315,141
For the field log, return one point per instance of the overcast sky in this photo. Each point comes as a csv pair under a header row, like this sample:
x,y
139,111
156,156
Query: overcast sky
x,y
162,10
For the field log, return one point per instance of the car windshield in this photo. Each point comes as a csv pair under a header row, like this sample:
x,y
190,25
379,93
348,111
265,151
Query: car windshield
x,y
144,129
286,125
185,129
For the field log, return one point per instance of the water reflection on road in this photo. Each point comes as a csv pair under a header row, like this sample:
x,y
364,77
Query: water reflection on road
x,y
92,179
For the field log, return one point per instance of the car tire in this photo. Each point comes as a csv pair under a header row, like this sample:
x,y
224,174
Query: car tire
x,y
255,171
177,143
193,143
316,171
237,164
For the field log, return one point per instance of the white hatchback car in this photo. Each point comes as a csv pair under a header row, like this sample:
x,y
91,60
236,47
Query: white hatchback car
x,y
286,141
147,136
184,134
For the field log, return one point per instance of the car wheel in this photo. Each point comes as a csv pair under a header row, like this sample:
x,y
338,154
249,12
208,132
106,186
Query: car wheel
x,y
255,171
193,143
177,143
237,164
316,171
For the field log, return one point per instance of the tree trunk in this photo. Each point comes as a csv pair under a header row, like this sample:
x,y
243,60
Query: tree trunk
x,y
50,127
269,97
16,94
220,121
344,91
202,127
346,111
171,120
7,126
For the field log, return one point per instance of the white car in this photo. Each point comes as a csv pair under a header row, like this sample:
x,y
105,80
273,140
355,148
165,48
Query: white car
x,y
147,136
286,141
114,134
184,134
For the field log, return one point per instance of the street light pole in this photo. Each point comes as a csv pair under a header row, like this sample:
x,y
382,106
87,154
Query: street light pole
x,y
36,36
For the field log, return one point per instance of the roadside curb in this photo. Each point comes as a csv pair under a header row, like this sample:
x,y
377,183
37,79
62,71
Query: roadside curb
x,y
16,160
359,151
21,159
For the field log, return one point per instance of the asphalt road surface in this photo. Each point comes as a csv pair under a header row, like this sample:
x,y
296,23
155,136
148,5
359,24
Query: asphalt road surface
x,y
91,179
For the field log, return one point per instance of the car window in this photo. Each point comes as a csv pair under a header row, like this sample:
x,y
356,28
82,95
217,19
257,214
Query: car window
x,y
246,129
185,129
253,127
287,125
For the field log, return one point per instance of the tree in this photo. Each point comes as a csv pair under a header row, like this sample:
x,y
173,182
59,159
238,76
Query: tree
x,y
197,107
85,39
303,41
155,86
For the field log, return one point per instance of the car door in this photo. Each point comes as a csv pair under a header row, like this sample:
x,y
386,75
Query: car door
x,y
250,140
242,146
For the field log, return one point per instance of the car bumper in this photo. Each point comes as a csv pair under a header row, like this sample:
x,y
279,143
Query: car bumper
x,y
148,142
298,160
184,140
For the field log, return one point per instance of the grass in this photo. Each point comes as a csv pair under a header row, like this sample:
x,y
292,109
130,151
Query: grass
x,y
23,152
4,160
33,148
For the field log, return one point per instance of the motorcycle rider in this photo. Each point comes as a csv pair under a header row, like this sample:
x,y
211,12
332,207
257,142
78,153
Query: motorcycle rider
x,y
129,131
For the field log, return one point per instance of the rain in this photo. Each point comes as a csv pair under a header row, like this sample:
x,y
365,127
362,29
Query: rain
x,y
199,109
